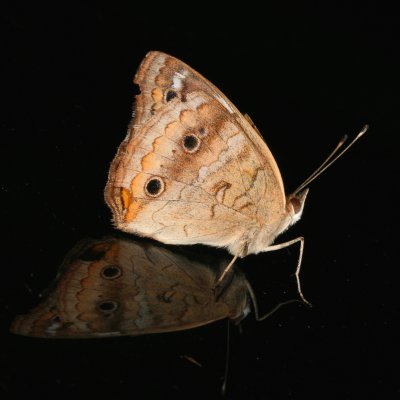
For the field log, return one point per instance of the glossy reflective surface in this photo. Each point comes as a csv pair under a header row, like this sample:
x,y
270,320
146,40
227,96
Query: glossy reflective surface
x,y
118,287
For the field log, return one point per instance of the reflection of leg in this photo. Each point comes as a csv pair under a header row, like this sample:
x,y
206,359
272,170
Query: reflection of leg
x,y
227,359
255,305
225,271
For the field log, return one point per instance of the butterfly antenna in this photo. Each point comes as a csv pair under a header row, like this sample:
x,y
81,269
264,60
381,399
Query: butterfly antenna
x,y
329,161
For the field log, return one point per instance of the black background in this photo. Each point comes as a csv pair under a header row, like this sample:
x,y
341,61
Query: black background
x,y
307,75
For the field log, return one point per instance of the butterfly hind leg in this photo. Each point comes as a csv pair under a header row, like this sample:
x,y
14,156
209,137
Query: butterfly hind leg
x,y
242,252
224,272
273,248
299,260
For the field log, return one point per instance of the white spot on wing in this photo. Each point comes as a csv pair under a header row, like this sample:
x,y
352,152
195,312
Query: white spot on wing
x,y
177,80
53,327
145,317
177,83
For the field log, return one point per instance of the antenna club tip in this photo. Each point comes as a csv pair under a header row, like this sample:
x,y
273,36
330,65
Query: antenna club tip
x,y
343,140
364,129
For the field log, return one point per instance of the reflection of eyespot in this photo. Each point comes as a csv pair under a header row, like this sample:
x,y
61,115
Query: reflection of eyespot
x,y
170,95
93,253
111,272
191,143
108,306
154,187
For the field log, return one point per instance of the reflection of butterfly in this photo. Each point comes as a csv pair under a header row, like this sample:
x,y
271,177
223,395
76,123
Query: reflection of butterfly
x,y
116,287
194,170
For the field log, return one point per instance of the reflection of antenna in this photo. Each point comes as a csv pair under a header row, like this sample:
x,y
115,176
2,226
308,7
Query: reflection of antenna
x,y
328,162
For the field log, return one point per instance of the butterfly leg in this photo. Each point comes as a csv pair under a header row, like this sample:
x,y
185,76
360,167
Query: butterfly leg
x,y
297,274
225,271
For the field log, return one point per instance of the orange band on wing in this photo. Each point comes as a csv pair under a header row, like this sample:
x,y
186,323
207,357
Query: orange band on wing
x,y
126,197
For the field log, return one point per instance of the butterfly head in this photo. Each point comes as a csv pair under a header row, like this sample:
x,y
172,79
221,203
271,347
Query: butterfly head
x,y
295,204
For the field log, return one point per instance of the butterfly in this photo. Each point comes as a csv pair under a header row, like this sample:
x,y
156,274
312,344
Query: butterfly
x,y
116,287
193,169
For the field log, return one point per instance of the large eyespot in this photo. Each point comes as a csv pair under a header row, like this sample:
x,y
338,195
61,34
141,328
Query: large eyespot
x,y
111,272
171,94
191,143
154,187
108,306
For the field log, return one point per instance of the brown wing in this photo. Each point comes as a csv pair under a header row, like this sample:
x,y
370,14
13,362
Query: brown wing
x,y
192,169
118,287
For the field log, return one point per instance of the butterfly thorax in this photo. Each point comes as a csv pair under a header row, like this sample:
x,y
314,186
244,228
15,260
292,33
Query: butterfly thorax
x,y
259,238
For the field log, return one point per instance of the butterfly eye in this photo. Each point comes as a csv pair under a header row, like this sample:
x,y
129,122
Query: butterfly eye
x,y
171,94
108,306
296,204
191,143
154,187
111,272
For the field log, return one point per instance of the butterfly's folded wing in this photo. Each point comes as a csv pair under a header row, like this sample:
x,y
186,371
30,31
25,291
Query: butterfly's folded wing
x,y
192,169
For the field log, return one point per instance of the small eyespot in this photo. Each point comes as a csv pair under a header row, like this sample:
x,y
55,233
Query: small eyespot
x,y
203,132
171,94
167,296
108,306
93,253
111,272
154,187
191,143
